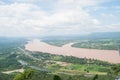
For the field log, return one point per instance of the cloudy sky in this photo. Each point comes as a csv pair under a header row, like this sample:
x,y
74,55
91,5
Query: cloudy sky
x,y
58,17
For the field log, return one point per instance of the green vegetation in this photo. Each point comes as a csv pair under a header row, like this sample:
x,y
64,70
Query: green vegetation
x,y
47,66
31,74
8,53
72,65
6,76
104,44
115,70
58,42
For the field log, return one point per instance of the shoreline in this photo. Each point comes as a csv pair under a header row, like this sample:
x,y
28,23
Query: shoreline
x,y
111,56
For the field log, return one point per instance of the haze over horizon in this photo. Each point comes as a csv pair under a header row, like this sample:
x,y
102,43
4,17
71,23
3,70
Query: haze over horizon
x,y
58,17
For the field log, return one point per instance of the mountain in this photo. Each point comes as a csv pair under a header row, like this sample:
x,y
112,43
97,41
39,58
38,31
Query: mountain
x,y
103,35
95,35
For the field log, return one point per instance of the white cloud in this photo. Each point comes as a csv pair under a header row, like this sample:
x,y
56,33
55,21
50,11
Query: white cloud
x,y
14,18
79,3
23,18
108,15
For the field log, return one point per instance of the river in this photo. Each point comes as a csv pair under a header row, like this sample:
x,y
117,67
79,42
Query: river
x,y
111,56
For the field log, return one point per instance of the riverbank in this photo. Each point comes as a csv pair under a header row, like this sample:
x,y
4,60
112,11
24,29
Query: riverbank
x,y
111,56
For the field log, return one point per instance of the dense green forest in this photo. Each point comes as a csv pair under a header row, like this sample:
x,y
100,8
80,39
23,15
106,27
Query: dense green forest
x,y
8,53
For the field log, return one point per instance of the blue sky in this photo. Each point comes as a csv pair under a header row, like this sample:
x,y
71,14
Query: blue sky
x,y
58,17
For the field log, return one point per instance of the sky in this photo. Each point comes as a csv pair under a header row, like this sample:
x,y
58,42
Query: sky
x,y
58,17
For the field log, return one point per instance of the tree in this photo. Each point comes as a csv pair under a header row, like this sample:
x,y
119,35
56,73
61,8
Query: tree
x,y
56,77
95,77
116,69
23,76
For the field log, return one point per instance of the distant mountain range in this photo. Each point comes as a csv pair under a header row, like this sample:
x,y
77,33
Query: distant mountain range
x,y
111,35
96,35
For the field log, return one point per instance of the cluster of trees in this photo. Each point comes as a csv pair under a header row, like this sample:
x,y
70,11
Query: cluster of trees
x,y
6,76
8,53
115,70
105,44
31,74
9,63
69,59
58,42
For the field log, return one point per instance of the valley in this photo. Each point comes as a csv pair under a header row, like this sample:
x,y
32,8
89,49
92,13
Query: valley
x,y
20,57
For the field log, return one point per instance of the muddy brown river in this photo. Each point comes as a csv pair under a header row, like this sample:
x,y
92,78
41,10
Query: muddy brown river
x,y
111,56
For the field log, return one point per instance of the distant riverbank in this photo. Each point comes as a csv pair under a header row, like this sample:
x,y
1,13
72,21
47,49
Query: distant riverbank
x,y
111,56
